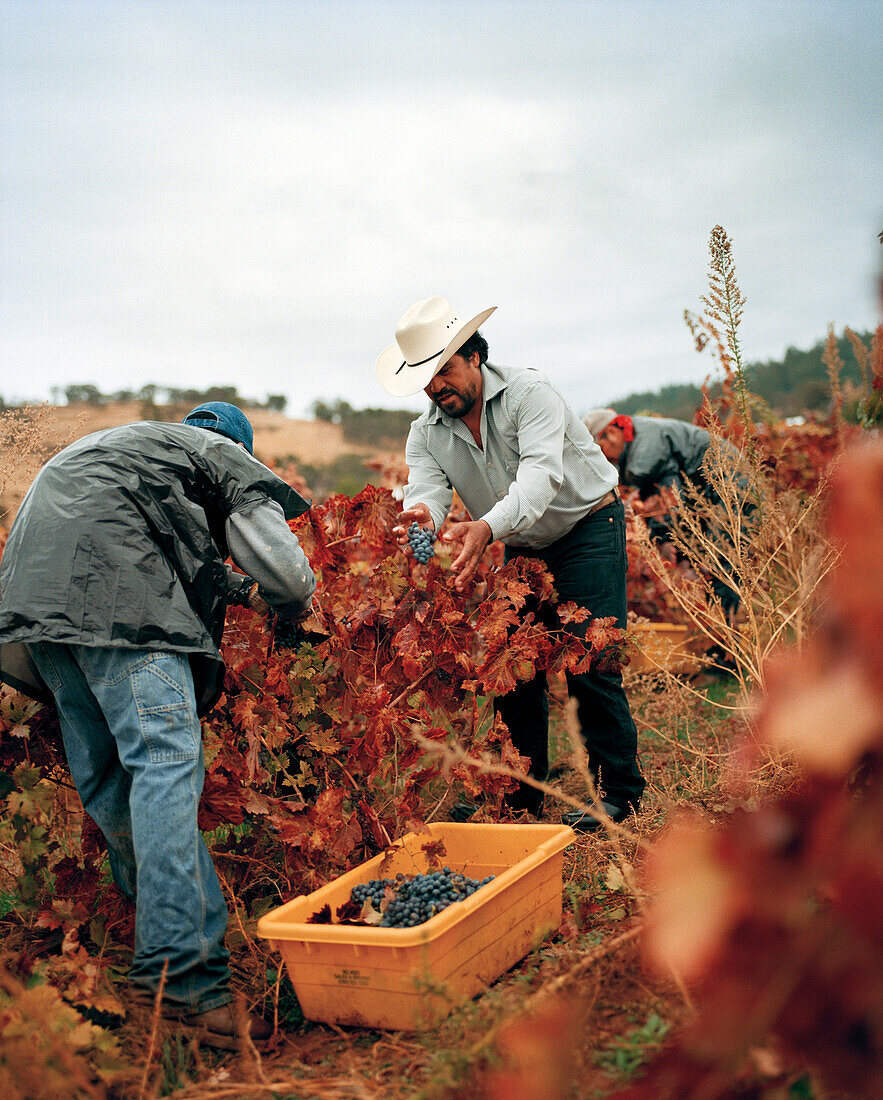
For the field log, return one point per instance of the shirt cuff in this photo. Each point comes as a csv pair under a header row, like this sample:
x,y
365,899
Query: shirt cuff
x,y
499,522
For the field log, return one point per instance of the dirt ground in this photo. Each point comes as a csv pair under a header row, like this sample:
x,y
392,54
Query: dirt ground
x,y
277,438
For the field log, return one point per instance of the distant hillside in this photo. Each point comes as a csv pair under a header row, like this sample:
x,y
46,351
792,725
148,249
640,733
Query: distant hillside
x,y
323,455
793,386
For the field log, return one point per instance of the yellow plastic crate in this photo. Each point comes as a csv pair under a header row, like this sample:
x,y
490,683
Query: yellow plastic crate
x,y
410,978
662,645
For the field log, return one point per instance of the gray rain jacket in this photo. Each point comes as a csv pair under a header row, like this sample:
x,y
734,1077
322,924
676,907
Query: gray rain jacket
x,y
665,453
121,541
662,452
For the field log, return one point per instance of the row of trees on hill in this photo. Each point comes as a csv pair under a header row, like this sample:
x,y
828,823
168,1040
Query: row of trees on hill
x,y
375,427
85,393
799,384
795,385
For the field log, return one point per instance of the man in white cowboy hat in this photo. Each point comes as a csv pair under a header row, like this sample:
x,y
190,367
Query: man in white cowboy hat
x,y
530,474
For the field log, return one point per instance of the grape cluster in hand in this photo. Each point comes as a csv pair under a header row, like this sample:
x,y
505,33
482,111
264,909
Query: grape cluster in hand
x,y
288,635
421,539
238,596
417,897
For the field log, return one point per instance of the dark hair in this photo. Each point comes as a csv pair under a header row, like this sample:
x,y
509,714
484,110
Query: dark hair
x,y
476,342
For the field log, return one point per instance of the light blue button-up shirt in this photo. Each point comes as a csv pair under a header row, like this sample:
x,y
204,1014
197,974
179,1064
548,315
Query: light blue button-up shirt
x,y
538,472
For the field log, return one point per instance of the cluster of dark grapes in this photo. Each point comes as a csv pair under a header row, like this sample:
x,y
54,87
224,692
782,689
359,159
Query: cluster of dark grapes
x,y
288,634
421,539
417,897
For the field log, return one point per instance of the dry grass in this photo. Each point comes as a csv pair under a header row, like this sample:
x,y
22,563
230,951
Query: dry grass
x,y
29,438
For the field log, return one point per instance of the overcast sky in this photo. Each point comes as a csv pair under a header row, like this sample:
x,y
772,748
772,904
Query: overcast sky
x,y
252,193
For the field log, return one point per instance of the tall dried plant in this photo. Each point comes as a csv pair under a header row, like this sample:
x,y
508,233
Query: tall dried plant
x,y
719,324
834,366
774,557
769,547
862,356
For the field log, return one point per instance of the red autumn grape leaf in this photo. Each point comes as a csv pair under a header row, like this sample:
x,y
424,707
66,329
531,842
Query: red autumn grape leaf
x,y
435,851
502,669
373,513
572,613
321,916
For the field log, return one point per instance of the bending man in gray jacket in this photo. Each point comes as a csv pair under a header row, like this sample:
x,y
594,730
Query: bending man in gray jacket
x,y
654,453
113,592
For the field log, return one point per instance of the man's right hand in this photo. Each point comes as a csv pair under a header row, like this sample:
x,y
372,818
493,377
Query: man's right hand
x,y
289,631
418,514
476,536
257,602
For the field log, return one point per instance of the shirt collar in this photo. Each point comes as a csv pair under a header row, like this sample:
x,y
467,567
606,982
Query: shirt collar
x,y
492,384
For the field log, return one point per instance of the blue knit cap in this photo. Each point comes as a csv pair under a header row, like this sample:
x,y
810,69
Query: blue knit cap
x,y
219,416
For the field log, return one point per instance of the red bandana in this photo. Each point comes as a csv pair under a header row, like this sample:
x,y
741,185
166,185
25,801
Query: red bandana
x,y
627,426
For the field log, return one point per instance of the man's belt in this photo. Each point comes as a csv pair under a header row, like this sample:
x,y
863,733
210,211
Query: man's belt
x,y
608,498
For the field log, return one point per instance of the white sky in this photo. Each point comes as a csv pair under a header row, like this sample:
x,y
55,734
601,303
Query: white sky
x,y
252,193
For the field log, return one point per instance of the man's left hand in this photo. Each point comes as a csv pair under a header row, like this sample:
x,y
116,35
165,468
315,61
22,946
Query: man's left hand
x,y
475,536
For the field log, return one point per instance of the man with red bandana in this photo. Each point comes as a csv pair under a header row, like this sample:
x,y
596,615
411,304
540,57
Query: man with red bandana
x,y
655,454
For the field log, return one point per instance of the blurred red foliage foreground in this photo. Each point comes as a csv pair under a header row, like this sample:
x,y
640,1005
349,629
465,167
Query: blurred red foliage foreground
x,y
777,919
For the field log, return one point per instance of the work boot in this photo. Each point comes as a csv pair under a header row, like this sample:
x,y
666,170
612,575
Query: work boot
x,y
218,1027
585,821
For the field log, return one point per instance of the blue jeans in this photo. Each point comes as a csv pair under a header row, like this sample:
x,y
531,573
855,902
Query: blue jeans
x,y
134,748
588,566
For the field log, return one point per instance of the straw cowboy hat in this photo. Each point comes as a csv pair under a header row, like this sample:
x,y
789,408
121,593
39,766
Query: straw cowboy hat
x,y
426,338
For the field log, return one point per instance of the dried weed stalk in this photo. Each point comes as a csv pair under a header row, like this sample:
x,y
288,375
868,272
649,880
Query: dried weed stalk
x,y
719,325
834,366
769,548
774,555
